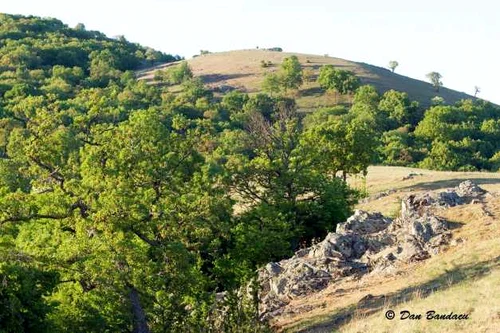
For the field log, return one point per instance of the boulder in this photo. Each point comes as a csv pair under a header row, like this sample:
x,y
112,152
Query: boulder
x,y
364,243
364,223
468,189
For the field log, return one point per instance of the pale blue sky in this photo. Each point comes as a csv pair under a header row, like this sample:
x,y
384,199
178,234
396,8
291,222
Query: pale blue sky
x,y
457,38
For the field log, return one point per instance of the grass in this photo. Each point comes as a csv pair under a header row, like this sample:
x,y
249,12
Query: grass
x,y
242,70
385,178
463,278
472,296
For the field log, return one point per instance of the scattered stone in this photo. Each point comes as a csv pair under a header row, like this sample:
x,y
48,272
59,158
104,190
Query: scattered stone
x,y
469,189
378,196
457,241
412,175
273,268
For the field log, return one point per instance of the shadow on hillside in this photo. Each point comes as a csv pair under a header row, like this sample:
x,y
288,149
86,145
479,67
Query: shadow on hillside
x,y
452,225
213,78
313,91
442,184
371,304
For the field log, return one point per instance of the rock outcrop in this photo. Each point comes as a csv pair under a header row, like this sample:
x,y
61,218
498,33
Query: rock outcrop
x,y
367,243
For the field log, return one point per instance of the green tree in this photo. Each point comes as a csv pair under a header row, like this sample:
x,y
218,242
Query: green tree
x,y
291,73
437,100
444,123
398,107
175,75
348,143
441,157
366,106
396,147
338,80
435,79
272,83
234,101
80,27
103,66
288,77
286,182
393,64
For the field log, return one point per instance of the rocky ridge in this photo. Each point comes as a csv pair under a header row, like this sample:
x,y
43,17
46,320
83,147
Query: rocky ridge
x,y
367,243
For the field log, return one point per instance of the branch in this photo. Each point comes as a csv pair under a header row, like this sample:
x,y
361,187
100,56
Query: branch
x,y
78,204
146,239
32,216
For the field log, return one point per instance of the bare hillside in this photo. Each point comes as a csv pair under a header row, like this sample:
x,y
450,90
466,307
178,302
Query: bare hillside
x,y
242,70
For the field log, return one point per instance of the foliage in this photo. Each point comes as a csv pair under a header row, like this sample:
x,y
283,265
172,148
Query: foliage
x,y
265,64
118,198
400,110
393,64
339,80
175,75
272,83
437,100
397,147
21,297
308,75
461,137
435,79
285,168
288,77
291,73
348,142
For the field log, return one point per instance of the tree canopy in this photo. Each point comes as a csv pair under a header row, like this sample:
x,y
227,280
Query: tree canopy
x,y
342,81
125,206
393,64
289,77
435,79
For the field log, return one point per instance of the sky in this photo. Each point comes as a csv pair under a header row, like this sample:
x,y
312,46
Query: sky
x,y
459,39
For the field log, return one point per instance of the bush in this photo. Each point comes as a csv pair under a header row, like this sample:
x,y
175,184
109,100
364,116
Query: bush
x,y
275,49
175,75
265,64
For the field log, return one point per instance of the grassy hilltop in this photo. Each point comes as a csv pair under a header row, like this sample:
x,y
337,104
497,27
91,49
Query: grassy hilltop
x,y
242,70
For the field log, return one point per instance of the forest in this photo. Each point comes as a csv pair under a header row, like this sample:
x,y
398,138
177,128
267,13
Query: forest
x,y
126,207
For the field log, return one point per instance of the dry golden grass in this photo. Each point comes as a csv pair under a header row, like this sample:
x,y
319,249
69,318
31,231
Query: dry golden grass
x,y
465,277
385,178
242,70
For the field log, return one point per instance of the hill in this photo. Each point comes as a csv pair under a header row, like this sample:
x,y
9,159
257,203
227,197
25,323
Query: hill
x,y
242,70
459,278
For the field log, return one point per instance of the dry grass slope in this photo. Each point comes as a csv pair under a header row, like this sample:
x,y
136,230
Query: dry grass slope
x,y
242,70
464,278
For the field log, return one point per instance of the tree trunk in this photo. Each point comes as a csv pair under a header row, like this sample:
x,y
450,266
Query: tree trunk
x,y
139,316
